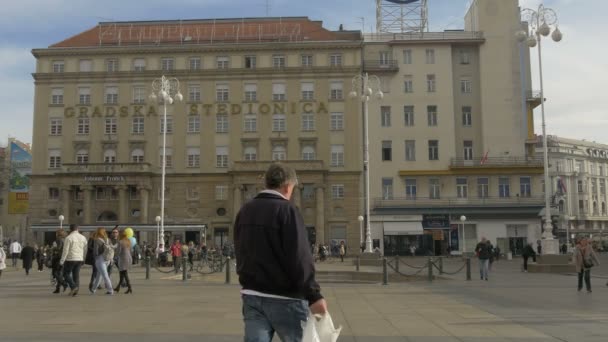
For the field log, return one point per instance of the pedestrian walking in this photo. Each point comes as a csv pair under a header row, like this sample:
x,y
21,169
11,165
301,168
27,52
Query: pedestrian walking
x,y
15,250
483,253
278,289
176,253
72,258
585,258
28,253
103,254
56,268
40,257
491,249
539,248
342,251
528,253
124,262
191,253
2,258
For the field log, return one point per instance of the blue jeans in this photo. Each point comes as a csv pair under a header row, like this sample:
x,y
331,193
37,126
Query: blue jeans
x,y
264,316
483,268
102,272
71,273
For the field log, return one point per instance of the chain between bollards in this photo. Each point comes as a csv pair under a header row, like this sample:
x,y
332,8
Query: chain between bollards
x,y
184,269
468,261
430,265
147,268
227,270
384,272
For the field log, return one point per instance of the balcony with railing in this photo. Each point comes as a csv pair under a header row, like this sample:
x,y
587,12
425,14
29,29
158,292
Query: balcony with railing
x,y
425,36
261,166
497,162
381,65
533,97
106,167
457,202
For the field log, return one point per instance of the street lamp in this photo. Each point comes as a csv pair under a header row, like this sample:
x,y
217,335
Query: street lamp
x,y
363,86
61,218
360,219
158,233
167,90
464,241
540,22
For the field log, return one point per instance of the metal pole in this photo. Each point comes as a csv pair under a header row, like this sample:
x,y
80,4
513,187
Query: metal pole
x,y
162,190
184,269
547,233
468,261
430,266
368,234
147,268
384,272
440,265
464,241
227,270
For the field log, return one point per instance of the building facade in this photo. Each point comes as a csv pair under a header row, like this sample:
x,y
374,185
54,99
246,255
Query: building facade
x,y
454,137
255,91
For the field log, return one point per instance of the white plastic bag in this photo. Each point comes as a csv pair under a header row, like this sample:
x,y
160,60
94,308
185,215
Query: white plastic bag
x,y
320,328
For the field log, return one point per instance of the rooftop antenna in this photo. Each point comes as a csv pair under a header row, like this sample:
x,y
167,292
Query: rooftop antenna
x,y
362,21
401,16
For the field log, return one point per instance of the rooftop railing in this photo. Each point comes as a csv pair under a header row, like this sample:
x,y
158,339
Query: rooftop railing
x,y
446,202
447,35
498,162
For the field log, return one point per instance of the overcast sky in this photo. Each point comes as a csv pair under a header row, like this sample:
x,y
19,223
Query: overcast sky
x,y
574,69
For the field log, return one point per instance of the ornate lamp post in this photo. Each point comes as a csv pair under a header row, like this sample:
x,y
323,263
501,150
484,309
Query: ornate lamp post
x,y
360,219
464,241
363,86
168,90
158,237
61,218
540,22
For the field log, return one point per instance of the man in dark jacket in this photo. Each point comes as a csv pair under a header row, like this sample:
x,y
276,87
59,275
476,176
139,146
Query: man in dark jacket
x,y
27,255
528,253
483,252
274,263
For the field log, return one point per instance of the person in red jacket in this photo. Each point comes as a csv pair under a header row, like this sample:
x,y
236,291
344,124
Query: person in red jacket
x,y
176,252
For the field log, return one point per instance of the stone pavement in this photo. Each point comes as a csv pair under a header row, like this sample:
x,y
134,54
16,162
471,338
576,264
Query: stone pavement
x,y
512,306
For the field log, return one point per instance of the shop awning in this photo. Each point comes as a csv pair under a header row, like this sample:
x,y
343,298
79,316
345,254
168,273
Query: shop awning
x,y
403,228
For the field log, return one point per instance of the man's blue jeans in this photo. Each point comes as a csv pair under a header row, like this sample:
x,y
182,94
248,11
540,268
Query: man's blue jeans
x,y
264,316
483,268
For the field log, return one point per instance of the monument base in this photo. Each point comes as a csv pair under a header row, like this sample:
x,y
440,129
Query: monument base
x,y
550,246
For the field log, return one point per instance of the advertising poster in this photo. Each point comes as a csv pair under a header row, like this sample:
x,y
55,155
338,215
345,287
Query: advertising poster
x,y
19,181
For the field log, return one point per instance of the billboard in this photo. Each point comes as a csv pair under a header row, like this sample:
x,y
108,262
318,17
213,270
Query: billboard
x,y
19,180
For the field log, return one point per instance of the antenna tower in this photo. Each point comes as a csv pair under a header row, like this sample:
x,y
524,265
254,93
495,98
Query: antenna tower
x,y
401,16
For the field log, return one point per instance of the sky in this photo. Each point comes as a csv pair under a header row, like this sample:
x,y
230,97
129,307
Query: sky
x,y
574,69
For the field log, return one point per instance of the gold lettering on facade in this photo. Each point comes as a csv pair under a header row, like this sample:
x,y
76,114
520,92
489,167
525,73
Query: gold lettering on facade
x,y
193,109
278,108
68,112
321,108
264,108
235,109
250,108
307,107
110,111
124,111
222,108
137,110
152,111
96,112
83,112
293,108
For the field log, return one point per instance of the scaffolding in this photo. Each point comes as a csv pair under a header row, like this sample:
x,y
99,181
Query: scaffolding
x,y
401,16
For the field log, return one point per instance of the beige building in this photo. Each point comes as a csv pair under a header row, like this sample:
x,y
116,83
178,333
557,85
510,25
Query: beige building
x,y
255,90
454,136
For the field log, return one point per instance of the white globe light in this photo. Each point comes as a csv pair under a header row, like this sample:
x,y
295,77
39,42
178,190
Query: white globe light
x,y
179,97
521,36
531,41
364,98
557,35
157,219
352,94
463,218
368,91
163,94
379,95
544,29
360,218
61,217
169,100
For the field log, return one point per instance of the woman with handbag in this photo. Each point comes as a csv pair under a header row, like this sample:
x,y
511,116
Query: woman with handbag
x,y
124,261
584,259
103,254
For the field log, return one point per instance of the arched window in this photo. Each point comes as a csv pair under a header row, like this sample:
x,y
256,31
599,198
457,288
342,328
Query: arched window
x,y
595,212
279,153
109,156
250,153
107,216
137,155
308,153
82,157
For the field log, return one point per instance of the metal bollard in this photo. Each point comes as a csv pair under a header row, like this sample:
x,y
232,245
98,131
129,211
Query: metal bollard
x,y
358,263
184,269
147,268
440,265
227,270
397,263
468,261
430,264
384,272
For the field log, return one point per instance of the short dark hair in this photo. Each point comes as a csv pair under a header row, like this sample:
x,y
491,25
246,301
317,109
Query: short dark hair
x,y
278,175
73,227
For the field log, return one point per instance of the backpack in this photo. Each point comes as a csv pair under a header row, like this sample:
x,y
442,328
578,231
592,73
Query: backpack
x,y
106,251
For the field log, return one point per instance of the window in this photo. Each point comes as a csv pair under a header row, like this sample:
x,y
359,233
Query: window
x,y
194,124
387,188
408,115
434,188
336,121
385,116
465,86
57,96
251,92
167,64
168,157
193,155
111,65
308,91
194,93
525,186
306,61
433,149
86,65
139,64
169,125
53,193
483,188
139,94
82,127
279,152
468,149
308,153
594,186
221,192
250,123
462,188
467,117
222,62
250,153
387,150
385,58
432,115
430,83
84,95
337,155
221,93
430,56
337,191
82,157
56,126
137,125
278,123
410,150
602,186
54,159
111,95
580,166
221,123
58,66
278,92
503,187
410,188
250,62
278,61
111,126
464,57
308,192
195,63
580,186
407,56
335,60
335,91
408,84
308,122
109,156
137,155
